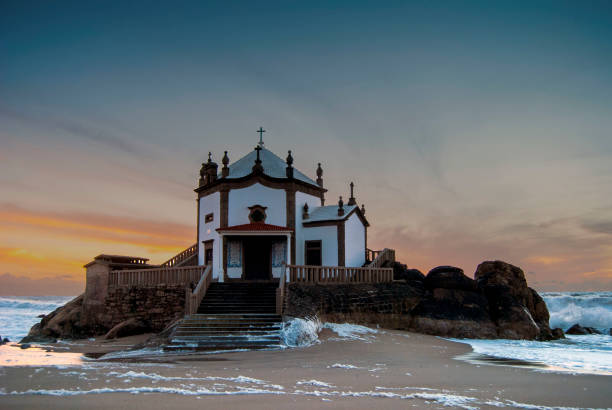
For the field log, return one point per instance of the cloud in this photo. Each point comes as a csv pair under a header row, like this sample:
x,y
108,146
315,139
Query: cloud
x,y
88,131
604,227
11,285
152,234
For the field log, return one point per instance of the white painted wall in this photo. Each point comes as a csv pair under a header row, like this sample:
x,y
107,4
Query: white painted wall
x,y
208,204
313,202
239,201
354,237
329,237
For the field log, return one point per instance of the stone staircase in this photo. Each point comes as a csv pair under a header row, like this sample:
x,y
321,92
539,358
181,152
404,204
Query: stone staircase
x,y
231,316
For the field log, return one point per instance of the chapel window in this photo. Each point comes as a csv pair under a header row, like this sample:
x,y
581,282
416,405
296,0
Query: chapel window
x,y
313,253
257,214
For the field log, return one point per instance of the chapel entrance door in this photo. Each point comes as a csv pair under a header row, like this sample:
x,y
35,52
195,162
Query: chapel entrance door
x,y
257,262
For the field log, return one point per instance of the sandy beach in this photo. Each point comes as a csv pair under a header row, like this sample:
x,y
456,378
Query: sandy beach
x,y
389,369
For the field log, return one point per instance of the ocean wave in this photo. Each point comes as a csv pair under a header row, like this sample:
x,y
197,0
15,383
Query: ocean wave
x,y
43,303
592,309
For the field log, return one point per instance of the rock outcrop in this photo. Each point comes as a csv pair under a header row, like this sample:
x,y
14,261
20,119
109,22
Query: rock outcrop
x,y
64,322
517,310
496,304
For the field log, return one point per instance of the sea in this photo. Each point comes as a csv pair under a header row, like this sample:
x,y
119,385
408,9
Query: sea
x,y
590,354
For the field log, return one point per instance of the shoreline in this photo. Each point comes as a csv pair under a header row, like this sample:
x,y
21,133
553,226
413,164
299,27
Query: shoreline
x,y
389,368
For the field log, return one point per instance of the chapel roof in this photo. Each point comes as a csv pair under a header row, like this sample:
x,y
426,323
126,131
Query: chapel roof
x,y
273,166
330,213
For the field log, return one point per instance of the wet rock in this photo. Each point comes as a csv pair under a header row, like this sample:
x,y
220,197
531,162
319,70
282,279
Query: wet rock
x,y
449,277
64,322
129,327
518,311
557,333
25,346
453,313
577,329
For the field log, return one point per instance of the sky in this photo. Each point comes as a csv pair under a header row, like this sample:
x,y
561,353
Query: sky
x,y
473,130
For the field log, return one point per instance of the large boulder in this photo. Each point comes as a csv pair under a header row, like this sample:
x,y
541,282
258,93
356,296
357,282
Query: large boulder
x,y
518,311
453,313
128,327
449,277
64,322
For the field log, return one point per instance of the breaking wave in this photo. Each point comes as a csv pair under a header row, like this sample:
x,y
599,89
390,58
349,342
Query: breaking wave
x,y
592,309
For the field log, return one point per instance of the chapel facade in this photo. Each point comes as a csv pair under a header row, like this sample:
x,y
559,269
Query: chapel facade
x,y
258,214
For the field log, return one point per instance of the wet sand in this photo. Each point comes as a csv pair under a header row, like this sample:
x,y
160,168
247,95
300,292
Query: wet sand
x,y
391,369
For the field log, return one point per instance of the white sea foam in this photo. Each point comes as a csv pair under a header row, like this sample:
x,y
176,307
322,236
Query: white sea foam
x,y
154,376
343,366
315,383
576,354
299,332
348,331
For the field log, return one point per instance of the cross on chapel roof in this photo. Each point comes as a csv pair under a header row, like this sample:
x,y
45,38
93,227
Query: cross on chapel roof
x,y
261,131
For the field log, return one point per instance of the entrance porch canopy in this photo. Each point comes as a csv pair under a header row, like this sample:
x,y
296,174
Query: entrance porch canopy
x,y
255,229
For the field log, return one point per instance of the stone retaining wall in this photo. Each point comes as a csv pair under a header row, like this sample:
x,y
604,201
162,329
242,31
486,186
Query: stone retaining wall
x,y
156,306
384,304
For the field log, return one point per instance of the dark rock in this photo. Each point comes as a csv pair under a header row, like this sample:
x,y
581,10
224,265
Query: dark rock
x,y
611,331
5,340
453,313
401,272
129,327
449,277
557,333
63,322
582,330
25,345
518,311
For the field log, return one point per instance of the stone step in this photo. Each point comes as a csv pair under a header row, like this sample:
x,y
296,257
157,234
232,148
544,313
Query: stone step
x,y
197,348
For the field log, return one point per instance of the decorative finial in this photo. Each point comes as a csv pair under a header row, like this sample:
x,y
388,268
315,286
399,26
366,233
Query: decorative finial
x,y
289,169
225,169
320,176
363,209
258,168
261,131
209,157
340,207
305,211
352,200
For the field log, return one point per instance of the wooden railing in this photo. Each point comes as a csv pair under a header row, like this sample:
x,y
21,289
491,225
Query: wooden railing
x,y
181,257
338,274
194,298
280,291
170,276
382,258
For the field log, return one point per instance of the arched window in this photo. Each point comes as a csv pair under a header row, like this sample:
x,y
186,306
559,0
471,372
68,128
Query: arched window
x,y
257,214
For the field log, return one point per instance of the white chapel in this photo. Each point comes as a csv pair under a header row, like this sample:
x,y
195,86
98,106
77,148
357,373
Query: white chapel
x,y
259,213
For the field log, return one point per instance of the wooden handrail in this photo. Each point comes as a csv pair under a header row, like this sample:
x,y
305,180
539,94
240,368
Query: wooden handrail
x,y
194,298
280,291
170,276
338,274
180,257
